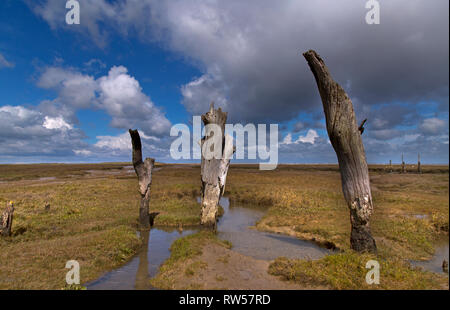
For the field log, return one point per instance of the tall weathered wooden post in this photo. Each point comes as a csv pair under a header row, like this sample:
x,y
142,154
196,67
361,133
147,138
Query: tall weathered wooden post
x,y
144,173
346,140
217,149
403,165
419,168
390,165
7,220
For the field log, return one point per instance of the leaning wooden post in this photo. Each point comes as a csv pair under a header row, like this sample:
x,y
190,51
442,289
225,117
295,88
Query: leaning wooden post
x,y
7,220
403,165
144,173
217,149
347,143
419,168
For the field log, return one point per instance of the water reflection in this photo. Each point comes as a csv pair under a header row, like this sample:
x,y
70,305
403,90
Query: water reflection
x,y
136,273
435,263
235,225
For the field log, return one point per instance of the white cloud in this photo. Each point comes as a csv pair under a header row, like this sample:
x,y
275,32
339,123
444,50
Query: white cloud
x,y
287,139
118,94
56,123
83,152
310,137
121,97
5,63
74,88
29,132
433,126
248,51
121,142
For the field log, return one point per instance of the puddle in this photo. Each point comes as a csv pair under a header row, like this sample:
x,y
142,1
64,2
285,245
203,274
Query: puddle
x,y
130,169
420,216
235,226
47,178
435,264
103,172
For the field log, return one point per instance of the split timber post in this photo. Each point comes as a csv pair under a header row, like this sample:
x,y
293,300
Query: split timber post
x,y
403,165
144,173
347,143
7,220
217,149
419,168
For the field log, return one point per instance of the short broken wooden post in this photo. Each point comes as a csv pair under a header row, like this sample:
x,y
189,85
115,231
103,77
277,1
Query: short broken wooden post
x,y
7,220
403,165
217,149
144,173
419,168
347,142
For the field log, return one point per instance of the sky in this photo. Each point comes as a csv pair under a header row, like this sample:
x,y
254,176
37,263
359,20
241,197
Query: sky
x,y
69,93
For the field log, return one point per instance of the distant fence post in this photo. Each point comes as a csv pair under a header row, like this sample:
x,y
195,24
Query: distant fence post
x,y
419,168
403,165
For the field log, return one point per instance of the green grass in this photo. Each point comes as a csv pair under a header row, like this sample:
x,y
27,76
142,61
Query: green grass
x,y
348,271
93,218
182,250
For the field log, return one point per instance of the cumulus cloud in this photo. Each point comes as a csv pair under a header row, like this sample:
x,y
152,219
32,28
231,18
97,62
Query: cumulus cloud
x,y
119,146
310,138
117,93
74,88
433,126
56,123
49,129
249,51
122,98
28,132
121,142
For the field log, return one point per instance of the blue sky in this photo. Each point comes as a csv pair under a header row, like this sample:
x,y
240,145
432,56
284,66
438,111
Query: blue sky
x,y
70,92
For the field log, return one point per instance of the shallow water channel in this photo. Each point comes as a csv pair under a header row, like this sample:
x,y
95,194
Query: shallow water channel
x,y
235,225
435,264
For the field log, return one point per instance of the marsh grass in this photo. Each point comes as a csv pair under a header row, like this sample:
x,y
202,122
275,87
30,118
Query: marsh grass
x,y
182,250
347,271
93,217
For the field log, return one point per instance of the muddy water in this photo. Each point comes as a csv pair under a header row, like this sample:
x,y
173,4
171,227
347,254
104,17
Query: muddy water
x,y
435,264
234,225
136,273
